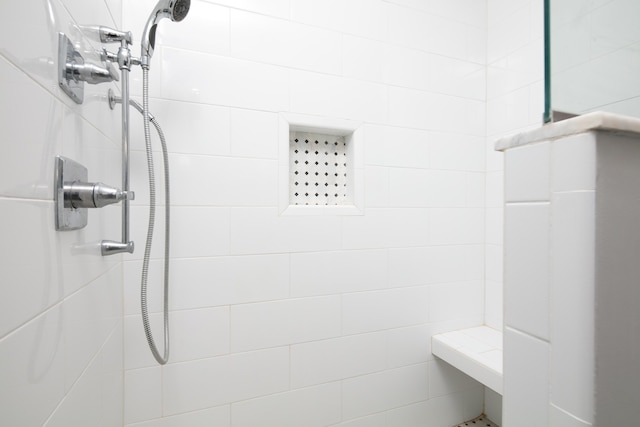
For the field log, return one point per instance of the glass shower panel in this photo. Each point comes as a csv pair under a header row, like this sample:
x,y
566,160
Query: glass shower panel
x,y
592,51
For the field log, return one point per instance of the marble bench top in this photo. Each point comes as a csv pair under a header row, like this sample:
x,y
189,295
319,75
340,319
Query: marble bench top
x,y
587,122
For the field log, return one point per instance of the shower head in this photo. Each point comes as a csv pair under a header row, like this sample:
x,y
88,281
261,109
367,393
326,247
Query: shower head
x,y
175,10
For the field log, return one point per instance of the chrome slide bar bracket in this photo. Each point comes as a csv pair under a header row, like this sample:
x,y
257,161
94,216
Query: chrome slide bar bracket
x,y
124,60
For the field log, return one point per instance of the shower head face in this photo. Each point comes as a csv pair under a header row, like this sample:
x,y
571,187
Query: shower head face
x,y
176,10
180,10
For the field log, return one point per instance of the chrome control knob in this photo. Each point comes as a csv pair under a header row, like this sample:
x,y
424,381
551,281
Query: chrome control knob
x,y
93,195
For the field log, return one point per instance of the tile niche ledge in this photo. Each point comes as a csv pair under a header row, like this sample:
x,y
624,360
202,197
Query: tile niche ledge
x,y
475,351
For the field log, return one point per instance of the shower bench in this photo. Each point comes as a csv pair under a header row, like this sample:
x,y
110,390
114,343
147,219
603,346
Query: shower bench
x,y
475,351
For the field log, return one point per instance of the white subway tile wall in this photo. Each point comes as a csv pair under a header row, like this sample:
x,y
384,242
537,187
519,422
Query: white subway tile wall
x,y
550,277
61,324
572,359
515,102
527,267
526,380
316,320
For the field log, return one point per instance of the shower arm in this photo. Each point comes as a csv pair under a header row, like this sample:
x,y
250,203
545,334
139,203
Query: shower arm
x,y
125,60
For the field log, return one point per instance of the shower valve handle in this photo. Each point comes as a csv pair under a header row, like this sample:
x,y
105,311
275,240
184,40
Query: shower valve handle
x,y
92,74
111,35
93,195
105,55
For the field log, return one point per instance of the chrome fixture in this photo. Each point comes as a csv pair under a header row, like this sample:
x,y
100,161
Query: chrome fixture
x,y
102,34
74,195
176,10
114,100
79,193
124,60
73,71
66,172
90,73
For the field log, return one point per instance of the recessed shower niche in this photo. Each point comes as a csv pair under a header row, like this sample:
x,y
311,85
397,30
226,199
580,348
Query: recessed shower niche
x,y
321,166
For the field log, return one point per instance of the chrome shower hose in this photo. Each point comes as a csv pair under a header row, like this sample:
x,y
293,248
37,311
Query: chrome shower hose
x,y
152,215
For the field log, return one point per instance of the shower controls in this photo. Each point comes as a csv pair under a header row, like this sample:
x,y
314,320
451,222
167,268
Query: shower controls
x,y
67,54
80,194
73,71
105,34
67,171
111,35
90,73
73,194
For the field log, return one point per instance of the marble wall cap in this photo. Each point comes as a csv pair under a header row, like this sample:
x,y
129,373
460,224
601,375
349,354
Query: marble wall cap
x,y
596,121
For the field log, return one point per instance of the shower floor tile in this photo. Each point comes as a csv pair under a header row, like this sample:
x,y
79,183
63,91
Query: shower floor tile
x,y
481,421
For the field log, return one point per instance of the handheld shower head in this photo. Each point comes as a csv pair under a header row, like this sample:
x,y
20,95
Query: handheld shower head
x,y
176,10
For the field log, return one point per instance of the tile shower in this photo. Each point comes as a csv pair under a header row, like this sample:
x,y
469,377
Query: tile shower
x,y
325,318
